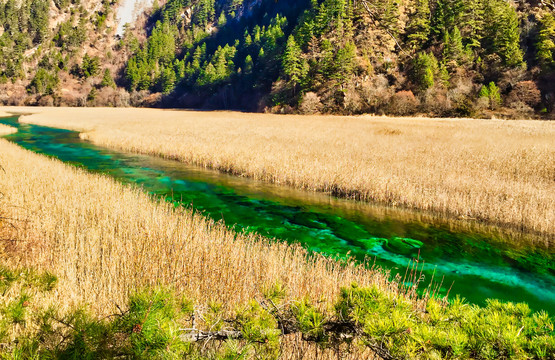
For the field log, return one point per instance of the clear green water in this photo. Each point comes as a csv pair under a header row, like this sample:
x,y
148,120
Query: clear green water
x,y
478,262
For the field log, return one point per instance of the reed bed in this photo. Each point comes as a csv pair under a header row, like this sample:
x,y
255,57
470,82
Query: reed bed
x,y
104,239
6,130
500,172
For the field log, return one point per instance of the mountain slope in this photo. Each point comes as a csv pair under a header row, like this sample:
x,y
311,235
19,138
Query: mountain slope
x,y
439,57
402,57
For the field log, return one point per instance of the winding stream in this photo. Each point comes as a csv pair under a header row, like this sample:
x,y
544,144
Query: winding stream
x,y
475,261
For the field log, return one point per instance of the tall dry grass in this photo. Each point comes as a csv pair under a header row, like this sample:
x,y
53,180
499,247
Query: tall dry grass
x,y
6,130
501,172
104,239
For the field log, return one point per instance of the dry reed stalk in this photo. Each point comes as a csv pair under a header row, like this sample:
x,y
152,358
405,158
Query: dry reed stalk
x,y
501,172
104,240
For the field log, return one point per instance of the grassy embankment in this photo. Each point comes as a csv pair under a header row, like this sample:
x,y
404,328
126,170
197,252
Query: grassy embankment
x,y
106,241
500,172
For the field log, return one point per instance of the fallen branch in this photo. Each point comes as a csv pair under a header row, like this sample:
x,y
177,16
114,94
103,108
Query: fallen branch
x,y
197,335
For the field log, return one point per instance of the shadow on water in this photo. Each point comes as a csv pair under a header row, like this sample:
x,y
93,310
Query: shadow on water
x,y
478,261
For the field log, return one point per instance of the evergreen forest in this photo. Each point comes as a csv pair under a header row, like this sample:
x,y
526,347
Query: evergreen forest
x,y
450,58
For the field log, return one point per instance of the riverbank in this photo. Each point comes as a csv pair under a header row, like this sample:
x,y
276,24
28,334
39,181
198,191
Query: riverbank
x,y
106,241
6,130
499,172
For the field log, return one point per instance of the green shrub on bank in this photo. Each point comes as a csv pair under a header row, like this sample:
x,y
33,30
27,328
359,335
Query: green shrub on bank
x,y
158,324
456,330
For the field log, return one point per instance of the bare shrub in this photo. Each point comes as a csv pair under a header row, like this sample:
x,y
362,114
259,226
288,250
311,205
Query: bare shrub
x,y
481,104
137,98
352,102
512,76
375,94
436,102
522,110
403,103
310,104
525,92
46,101
108,96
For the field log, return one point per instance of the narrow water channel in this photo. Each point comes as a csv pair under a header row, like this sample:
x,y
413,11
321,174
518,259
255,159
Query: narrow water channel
x,y
475,261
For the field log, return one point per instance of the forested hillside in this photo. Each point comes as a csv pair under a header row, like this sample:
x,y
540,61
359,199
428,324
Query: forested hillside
x,y
57,52
400,57
439,57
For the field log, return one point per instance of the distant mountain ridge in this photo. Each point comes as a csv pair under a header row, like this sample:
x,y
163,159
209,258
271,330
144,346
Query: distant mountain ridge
x,y
402,57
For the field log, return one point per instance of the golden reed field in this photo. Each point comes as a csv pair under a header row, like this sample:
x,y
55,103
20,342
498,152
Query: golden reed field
x,y
500,172
104,240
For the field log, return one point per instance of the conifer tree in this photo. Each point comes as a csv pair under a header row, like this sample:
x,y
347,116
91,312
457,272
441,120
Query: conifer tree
x,y
248,65
472,24
503,32
510,38
222,20
546,41
453,50
292,60
446,16
418,28
107,80
424,69
345,62
167,80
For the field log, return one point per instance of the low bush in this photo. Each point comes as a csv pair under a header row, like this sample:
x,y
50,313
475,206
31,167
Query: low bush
x,y
159,324
404,103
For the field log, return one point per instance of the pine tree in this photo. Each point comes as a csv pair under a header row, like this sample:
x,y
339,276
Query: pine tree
x,y
510,39
418,28
345,62
446,16
247,38
424,69
248,65
167,79
472,24
38,20
546,41
453,51
503,32
107,80
292,61
222,20
491,92
132,74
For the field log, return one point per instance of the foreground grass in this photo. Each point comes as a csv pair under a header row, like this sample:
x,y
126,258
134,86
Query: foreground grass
x,y
496,171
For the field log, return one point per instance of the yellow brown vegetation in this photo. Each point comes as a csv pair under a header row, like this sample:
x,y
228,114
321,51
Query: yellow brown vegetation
x,y
6,130
496,171
104,240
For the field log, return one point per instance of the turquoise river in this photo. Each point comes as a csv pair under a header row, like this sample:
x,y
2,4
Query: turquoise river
x,y
475,261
